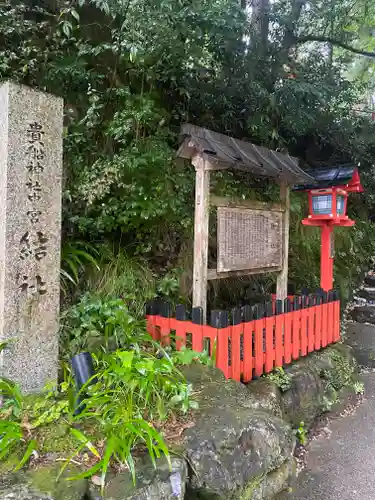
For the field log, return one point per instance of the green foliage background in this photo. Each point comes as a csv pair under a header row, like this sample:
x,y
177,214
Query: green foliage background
x,y
131,71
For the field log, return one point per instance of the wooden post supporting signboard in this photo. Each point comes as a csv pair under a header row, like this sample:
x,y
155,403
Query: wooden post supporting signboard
x,y
202,208
282,279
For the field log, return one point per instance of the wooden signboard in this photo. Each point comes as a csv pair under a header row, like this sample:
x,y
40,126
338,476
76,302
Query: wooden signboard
x,y
249,239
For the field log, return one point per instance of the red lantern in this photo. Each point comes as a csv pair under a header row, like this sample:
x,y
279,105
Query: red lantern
x,y
327,208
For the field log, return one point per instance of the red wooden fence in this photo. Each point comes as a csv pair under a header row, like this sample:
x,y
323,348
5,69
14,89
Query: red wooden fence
x,y
247,347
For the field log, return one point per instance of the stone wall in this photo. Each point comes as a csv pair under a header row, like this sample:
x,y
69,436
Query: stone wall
x,y
241,446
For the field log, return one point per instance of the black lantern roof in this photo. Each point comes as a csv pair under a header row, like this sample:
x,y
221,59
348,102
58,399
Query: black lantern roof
x,y
339,175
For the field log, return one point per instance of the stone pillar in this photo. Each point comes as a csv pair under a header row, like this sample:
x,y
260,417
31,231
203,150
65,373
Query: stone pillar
x,y
31,125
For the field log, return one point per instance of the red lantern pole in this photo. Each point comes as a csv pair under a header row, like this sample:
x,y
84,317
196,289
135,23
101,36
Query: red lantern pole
x,y
326,257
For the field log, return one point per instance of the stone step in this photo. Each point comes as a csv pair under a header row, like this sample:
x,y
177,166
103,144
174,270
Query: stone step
x,y
370,280
367,293
361,338
364,314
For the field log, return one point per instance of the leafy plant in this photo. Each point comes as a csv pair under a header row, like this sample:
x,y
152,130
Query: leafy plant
x,y
75,257
11,428
121,275
280,378
188,356
131,390
97,324
343,373
169,285
301,433
359,387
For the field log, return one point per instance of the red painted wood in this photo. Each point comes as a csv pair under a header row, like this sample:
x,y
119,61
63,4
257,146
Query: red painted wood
x,y
324,310
151,327
318,327
330,322
222,350
270,351
263,344
248,362
259,355
279,348
236,331
196,337
180,327
326,261
303,331
311,312
165,330
296,334
288,318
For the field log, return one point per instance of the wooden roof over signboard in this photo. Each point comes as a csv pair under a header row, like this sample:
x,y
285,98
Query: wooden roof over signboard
x,y
240,155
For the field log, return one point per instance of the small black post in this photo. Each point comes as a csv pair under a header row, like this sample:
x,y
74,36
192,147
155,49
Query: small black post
x,y
83,371
279,306
181,313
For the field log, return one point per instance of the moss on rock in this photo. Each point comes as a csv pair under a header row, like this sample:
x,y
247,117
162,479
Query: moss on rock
x,y
41,483
55,438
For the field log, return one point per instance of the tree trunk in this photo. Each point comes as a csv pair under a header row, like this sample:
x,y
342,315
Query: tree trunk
x,y
260,24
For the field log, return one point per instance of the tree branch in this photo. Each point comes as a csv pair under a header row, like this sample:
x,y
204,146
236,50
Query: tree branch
x,y
337,43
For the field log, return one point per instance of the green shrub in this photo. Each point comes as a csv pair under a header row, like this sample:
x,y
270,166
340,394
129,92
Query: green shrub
x,y
96,324
11,429
121,275
280,378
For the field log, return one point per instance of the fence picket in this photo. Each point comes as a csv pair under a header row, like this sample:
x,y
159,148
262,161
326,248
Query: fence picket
x,y
303,330
287,332
259,354
248,337
270,351
279,348
318,323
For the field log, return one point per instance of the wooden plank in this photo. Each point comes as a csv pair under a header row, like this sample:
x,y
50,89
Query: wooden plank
x,y
282,279
324,337
201,219
259,354
311,328
219,201
288,326
279,350
318,327
270,351
296,333
212,274
248,356
304,340
236,331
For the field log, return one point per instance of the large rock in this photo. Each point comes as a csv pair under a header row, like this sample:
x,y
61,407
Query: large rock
x,y
273,483
303,401
151,484
364,314
22,492
40,484
315,382
266,396
232,444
